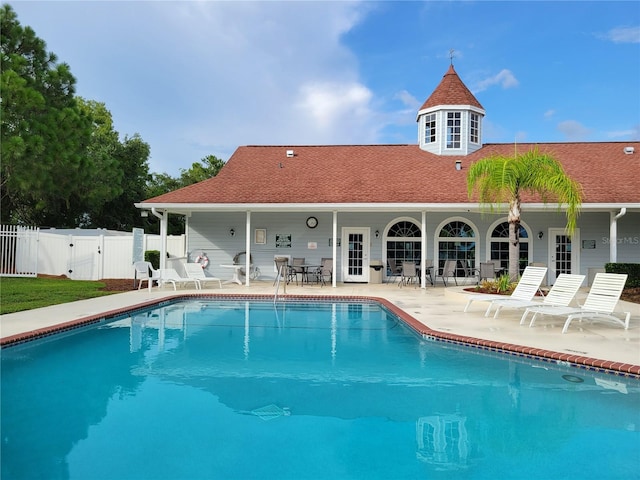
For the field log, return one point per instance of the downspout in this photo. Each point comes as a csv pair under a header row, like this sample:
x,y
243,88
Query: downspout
x,y
613,234
163,236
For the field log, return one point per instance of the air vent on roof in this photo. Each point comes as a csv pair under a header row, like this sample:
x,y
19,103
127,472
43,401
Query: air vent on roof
x,y
290,153
629,150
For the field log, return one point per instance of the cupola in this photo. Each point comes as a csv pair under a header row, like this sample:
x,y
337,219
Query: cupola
x,y
450,121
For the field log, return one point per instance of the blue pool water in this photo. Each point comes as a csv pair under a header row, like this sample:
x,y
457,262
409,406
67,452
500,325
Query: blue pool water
x,y
239,390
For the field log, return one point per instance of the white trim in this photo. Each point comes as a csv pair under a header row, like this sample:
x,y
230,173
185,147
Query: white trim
x,y
438,108
186,208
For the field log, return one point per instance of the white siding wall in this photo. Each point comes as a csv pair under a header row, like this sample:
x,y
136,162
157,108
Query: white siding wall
x,y
209,232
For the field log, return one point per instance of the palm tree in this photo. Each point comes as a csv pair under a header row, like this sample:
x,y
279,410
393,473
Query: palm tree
x,y
500,180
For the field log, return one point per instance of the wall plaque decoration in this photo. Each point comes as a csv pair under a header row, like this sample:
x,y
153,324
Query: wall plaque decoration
x,y
283,240
260,236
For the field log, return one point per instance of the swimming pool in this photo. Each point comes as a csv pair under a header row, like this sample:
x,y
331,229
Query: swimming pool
x,y
238,389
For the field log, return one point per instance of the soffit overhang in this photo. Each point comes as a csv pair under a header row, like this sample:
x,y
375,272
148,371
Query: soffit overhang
x,y
187,208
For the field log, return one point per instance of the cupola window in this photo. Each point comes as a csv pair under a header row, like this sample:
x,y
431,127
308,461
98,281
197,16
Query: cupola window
x,y
474,131
454,122
430,128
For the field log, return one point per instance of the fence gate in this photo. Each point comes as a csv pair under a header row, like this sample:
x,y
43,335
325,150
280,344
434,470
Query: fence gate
x,y
18,251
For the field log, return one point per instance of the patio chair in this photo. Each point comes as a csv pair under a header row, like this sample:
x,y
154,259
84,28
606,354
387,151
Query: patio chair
x,y
326,271
526,289
145,271
169,275
409,274
428,271
322,273
470,273
194,270
240,259
600,303
487,271
560,295
448,270
282,269
296,270
395,269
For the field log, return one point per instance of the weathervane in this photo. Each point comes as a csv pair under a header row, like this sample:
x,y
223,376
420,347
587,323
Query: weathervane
x,y
451,55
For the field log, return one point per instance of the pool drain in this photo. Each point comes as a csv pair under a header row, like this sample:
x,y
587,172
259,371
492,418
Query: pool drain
x,y
270,412
572,379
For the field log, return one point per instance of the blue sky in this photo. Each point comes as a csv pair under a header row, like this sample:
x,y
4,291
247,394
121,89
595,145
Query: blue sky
x,y
200,78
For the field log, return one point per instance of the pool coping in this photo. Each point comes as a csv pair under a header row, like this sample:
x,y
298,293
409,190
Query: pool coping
x,y
549,356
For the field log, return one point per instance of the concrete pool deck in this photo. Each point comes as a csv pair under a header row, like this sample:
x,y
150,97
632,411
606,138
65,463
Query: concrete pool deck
x,y
440,309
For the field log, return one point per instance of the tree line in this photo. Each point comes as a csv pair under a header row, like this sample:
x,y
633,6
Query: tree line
x,y
63,163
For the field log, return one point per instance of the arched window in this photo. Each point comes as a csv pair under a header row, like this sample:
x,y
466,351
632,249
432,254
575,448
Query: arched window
x,y
456,241
499,246
403,242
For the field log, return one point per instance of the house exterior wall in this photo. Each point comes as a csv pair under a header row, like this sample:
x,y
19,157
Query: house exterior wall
x,y
210,233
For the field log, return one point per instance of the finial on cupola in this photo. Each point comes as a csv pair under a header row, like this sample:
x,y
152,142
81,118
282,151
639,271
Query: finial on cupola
x,y
451,55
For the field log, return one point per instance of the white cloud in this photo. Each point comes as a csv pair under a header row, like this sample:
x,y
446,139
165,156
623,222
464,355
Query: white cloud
x,y
330,104
574,131
408,100
549,113
267,73
505,78
631,134
623,35
521,136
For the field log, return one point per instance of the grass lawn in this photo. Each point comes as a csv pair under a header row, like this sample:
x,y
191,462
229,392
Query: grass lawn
x,y
18,294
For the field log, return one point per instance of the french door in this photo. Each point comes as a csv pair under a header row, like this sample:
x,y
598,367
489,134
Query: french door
x,y
355,255
564,254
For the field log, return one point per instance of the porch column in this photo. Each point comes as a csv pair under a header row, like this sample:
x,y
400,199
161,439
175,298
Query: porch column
x,y
334,244
163,236
613,234
423,250
247,257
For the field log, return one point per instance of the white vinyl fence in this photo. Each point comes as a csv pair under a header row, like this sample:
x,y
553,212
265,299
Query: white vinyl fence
x,y
78,254
18,251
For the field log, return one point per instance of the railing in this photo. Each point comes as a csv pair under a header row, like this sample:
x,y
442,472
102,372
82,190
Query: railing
x,y
18,251
281,272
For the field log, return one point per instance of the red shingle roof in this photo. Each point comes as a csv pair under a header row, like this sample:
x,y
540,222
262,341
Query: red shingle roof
x,y
451,91
396,174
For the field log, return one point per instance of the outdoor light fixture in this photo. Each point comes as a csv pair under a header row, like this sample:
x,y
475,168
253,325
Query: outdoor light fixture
x,y
540,235
458,164
144,213
377,233
232,232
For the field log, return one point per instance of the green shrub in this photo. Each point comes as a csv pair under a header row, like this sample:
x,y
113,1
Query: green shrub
x,y
504,283
501,285
631,269
153,256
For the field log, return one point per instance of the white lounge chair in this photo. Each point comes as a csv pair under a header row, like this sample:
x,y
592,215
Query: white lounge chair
x,y
526,289
194,270
600,303
145,271
169,275
560,295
